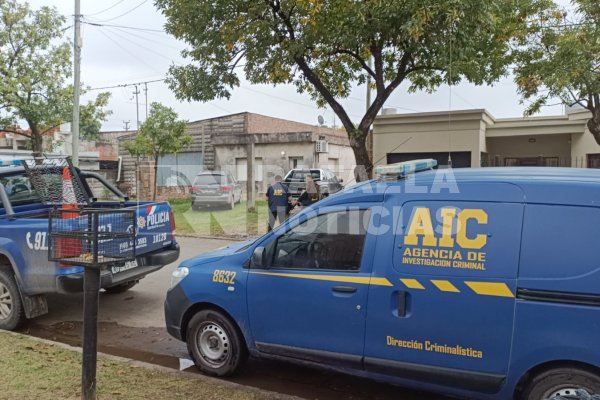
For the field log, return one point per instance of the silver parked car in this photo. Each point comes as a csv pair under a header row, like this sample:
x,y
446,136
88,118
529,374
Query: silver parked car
x,y
215,188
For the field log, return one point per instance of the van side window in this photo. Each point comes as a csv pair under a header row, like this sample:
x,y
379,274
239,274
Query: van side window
x,y
332,241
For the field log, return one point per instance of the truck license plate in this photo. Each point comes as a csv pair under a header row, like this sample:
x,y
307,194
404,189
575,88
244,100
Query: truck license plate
x,y
127,266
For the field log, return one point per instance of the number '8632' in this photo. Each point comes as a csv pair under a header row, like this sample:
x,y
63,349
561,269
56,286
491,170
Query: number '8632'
x,y
222,276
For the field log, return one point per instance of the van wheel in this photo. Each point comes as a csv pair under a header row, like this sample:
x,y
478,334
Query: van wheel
x,y
120,288
561,382
12,314
215,344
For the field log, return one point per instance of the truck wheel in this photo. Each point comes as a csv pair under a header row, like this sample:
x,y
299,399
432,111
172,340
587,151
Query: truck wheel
x,y
120,288
12,314
215,344
561,382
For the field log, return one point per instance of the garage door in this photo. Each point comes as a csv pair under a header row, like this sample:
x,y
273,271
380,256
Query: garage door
x,y
460,159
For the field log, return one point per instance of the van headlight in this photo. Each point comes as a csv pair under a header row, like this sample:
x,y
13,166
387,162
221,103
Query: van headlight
x,y
178,274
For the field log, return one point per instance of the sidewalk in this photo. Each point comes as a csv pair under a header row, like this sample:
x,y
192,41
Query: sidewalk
x,y
39,369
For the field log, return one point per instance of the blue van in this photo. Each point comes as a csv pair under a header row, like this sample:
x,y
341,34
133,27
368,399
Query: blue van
x,y
476,283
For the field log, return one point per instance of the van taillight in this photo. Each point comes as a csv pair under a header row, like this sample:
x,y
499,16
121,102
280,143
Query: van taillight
x,y
224,188
194,189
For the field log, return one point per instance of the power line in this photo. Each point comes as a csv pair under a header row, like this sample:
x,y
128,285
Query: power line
x,y
129,52
124,27
124,85
143,47
126,12
106,9
147,39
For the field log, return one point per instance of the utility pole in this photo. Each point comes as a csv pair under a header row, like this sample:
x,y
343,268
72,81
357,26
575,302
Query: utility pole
x,y
76,83
146,94
126,125
137,107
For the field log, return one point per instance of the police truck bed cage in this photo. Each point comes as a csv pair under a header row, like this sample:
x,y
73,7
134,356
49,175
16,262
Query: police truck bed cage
x,y
402,169
56,181
91,237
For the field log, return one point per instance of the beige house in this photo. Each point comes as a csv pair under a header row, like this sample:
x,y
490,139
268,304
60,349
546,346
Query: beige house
x,y
474,138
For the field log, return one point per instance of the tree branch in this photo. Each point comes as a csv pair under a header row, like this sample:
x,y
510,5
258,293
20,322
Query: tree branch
x,y
358,58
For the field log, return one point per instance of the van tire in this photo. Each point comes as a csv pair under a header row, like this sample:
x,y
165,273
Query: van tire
x,y
566,380
12,303
215,344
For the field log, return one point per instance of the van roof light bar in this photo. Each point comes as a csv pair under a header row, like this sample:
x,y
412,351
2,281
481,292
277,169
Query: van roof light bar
x,y
402,169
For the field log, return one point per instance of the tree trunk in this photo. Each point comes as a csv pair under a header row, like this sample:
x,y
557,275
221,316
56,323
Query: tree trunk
x,y
37,143
364,164
594,126
155,177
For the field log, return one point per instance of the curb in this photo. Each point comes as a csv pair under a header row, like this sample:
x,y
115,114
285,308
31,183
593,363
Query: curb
x,y
165,370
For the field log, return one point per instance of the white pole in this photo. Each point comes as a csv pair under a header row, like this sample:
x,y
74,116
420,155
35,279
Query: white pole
x,y
76,83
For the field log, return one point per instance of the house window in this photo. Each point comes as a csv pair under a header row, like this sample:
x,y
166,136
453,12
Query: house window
x,y
593,160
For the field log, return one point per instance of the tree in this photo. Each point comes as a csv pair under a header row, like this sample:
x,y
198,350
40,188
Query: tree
x,y
161,134
34,66
323,47
560,58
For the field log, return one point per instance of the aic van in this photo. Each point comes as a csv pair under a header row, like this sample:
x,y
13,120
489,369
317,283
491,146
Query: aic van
x,y
478,283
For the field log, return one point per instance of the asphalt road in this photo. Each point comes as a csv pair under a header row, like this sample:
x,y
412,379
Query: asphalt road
x,y
132,324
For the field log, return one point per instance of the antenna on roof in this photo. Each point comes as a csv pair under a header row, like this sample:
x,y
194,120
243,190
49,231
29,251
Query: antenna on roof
x,y
450,102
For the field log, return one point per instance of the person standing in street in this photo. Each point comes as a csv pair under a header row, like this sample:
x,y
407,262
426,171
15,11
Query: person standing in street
x,y
278,197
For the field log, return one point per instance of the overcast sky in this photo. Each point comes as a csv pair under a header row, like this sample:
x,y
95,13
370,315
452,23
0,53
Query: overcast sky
x,y
115,56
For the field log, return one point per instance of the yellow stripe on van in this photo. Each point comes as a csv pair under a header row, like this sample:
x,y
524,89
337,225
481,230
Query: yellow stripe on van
x,y
490,289
412,283
363,280
445,286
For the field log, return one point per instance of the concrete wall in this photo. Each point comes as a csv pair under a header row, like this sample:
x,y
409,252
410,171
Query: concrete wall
x,y
430,132
520,146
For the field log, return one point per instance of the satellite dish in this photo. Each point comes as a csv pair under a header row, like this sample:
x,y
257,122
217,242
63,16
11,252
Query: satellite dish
x,y
321,120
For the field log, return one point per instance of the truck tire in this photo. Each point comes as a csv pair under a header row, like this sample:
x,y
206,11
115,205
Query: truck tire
x,y
215,344
560,382
120,288
12,313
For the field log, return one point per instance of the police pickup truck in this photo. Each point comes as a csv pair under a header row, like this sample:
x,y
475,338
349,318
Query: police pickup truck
x,y
26,275
476,283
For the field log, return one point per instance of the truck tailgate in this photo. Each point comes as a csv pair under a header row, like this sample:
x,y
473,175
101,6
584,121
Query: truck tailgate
x,y
154,227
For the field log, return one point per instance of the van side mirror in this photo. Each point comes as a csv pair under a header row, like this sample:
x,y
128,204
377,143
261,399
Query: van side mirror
x,y
258,259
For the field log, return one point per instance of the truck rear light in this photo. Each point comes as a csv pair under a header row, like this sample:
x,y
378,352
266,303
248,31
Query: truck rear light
x,y
224,188
172,218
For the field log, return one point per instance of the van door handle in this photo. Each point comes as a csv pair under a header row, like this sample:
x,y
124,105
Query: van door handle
x,y
343,289
402,304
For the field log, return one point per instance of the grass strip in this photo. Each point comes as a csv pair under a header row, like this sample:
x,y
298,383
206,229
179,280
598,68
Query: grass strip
x,y
37,370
